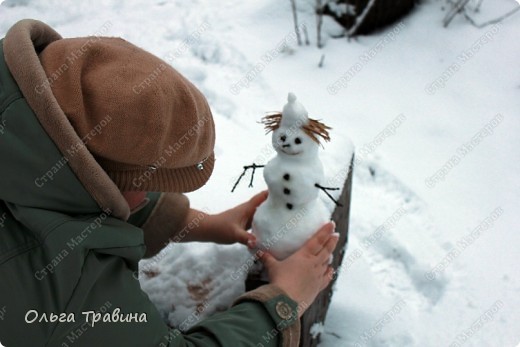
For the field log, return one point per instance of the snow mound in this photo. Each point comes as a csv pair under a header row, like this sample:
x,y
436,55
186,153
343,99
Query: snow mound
x,y
188,282
399,249
385,267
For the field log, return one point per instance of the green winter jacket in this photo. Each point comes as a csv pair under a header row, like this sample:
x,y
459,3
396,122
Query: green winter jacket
x,y
69,249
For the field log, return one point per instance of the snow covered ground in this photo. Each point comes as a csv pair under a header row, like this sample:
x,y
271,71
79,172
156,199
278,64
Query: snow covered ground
x,y
433,112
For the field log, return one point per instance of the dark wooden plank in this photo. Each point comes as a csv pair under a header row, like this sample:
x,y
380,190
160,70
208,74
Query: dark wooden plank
x,y
317,312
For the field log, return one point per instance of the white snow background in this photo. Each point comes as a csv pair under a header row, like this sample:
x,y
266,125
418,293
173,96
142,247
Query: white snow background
x,y
428,264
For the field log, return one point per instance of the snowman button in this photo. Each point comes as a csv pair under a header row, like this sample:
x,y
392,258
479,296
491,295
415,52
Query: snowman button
x,y
289,206
286,191
286,177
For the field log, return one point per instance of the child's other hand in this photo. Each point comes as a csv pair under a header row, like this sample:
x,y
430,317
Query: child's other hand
x,y
307,272
231,226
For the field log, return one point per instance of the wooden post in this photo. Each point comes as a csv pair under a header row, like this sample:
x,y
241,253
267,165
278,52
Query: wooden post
x,y
317,312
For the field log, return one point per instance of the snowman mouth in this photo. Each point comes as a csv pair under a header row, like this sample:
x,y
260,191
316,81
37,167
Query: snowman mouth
x,y
289,153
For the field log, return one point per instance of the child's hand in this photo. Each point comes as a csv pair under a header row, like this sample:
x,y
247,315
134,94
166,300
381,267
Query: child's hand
x,y
227,227
231,226
307,272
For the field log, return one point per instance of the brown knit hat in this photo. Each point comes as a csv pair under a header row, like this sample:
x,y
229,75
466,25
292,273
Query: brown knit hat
x,y
146,125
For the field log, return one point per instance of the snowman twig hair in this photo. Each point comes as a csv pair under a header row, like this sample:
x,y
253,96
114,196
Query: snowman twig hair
x,y
314,128
271,121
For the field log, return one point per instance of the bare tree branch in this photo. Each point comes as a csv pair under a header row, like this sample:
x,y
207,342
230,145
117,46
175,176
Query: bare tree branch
x,y
295,19
493,21
456,8
477,8
361,18
322,60
319,22
306,34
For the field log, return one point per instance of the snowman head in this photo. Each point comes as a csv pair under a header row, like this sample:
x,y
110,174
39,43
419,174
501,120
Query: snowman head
x,y
293,141
294,133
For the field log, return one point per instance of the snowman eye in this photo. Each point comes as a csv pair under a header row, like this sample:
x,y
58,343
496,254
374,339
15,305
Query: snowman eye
x,y
297,140
283,138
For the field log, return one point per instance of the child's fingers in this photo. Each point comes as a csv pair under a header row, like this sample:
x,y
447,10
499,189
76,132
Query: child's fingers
x,y
256,200
268,260
252,204
243,237
251,242
316,243
330,245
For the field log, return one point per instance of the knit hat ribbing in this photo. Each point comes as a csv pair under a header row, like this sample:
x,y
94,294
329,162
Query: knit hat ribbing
x,y
147,126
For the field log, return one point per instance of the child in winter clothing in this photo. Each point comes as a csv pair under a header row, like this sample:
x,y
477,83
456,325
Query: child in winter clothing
x,y
99,141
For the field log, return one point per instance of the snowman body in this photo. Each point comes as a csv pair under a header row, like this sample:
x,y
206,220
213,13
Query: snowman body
x,y
292,212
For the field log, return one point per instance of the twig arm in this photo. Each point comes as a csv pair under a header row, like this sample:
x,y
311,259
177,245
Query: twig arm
x,y
247,167
326,191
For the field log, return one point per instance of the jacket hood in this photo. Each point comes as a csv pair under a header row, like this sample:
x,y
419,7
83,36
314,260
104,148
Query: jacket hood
x,y
44,163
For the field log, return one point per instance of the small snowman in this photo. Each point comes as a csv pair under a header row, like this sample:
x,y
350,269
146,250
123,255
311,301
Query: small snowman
x,y
292,212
